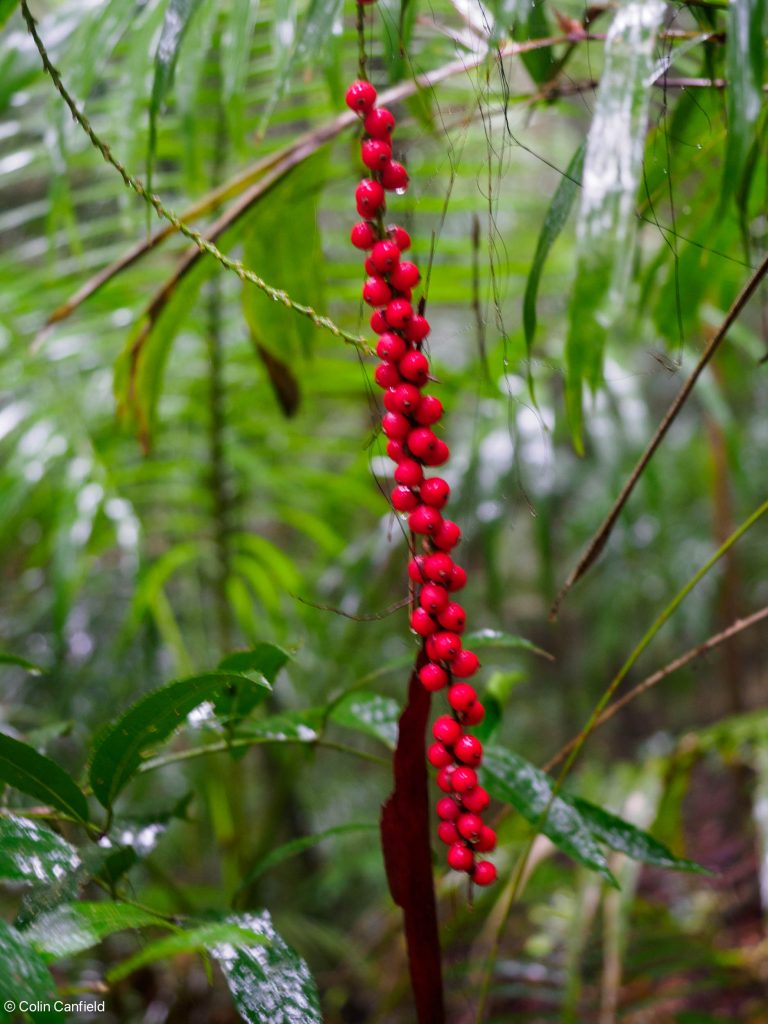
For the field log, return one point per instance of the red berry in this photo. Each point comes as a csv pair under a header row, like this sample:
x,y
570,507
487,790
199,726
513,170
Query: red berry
x,y
461,697
398,313
439,455
418,328
385,256
404,500
379,123
395,426
433,677
399,236
453,618
361,97
447,809
484,873
475,715
444,777
376,292
439,756
458,578
409,473
387,375
469,749
422,442
370,268
486,841
433,598
435,491
414,365
438,567
369,196
476,801
447,833
449,534
362,235
446,729
430,410
379,322
447,645
465,664
391,347
460,857
376,154
463,780
395,451
470,826
404,398
416,565
422,622
405,275
394,176
425,520
429,648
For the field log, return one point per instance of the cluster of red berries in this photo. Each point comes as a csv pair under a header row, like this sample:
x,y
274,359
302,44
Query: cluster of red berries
x,y
412,445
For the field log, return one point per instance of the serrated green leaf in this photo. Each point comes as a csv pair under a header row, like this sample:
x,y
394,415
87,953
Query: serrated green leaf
x,y
118,751
297,846
74,927
270,984
23,768
32,852
14,659
24,977
369,713
745,66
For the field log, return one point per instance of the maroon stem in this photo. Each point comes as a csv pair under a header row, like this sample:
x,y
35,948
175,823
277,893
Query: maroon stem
x,y
405,841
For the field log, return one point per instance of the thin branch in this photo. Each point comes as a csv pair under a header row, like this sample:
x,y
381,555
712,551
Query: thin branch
x,y
598,541
714,641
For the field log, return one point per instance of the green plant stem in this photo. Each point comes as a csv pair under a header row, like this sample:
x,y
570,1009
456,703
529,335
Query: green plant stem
x,y
225,745
514,887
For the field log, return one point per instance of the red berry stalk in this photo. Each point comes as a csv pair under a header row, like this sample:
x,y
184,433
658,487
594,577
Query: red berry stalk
x,y
413,446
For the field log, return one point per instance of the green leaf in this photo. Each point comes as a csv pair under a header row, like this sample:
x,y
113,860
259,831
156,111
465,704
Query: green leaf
x,y
540,63
495,696
554,222
224,934
23,768
74,927
397,18
303,726
14,659
369,713
7,7
264,659
744,66
606,225
496,638
236,42
297,846
31,852
24,977
270,984
118,751
514,780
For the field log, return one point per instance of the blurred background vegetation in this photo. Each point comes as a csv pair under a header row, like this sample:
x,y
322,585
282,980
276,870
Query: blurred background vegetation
x,y
227,491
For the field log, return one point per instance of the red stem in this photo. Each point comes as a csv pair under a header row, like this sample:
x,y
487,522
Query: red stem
x,y
405,842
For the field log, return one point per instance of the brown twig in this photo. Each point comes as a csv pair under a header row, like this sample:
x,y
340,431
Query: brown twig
x,y
598,541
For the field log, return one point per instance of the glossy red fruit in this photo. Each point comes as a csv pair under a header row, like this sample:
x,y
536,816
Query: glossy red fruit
x,y
425,520
421,443
461,696
361,97
398,313
447,645
362,235
470,826
422,622
387,375
439,756
404,500
448,833
405,275
430,410
438,567
429,648
476,800
465,664
394,177
384,256
379,123
404,398
463,780
435,491
440,455
416,565
449,534
414,366
417,329
370,268
469,750
475,715
433,677
460,857
399,236
369,196
379,322
409,473
391,347
376,154
433,597
446,729
377,292
486,841
453,618
458,578
484,873
447,809
444,777
395,426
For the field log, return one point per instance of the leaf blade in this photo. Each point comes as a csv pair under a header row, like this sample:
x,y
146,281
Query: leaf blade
x,y
36,775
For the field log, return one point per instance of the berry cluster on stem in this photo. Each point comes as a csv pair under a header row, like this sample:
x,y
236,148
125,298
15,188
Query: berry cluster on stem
x,y
414,447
